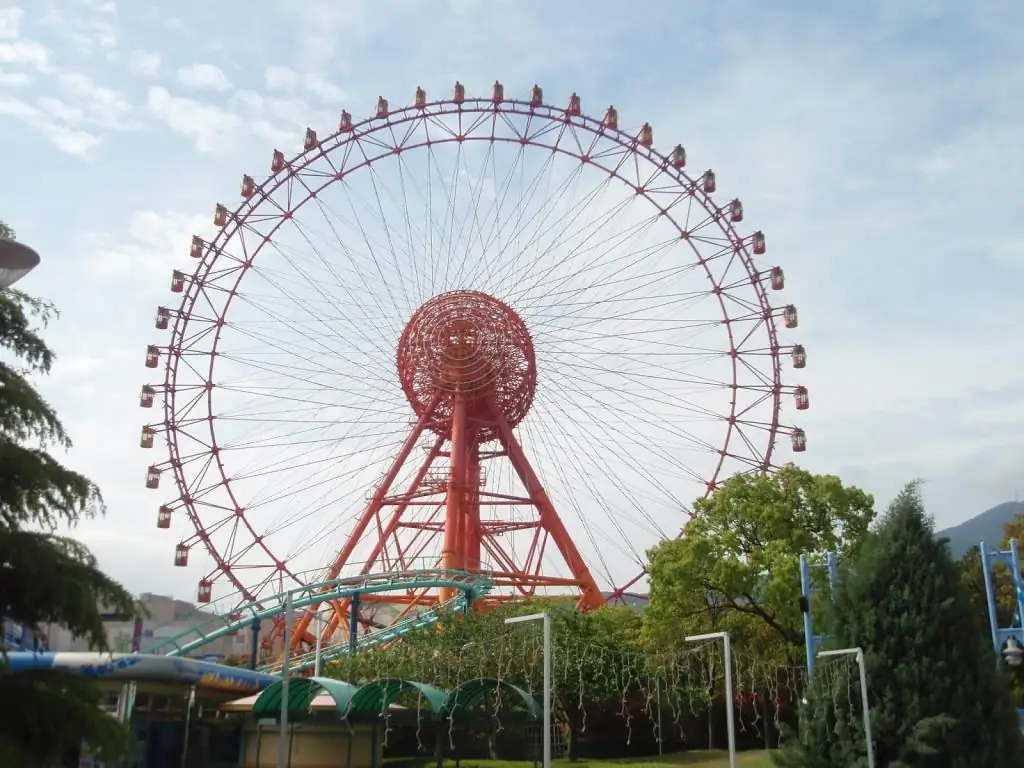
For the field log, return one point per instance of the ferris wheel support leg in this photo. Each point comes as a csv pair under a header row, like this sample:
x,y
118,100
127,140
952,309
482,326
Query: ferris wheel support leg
x,y
453,553
372,510
591,596
471,531
392,525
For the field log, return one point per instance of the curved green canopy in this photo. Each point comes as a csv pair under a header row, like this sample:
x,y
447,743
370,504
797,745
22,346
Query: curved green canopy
x,y
376,696
468,693
301,692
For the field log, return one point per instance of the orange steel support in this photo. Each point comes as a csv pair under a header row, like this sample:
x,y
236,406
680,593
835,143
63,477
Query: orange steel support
x,y
467,366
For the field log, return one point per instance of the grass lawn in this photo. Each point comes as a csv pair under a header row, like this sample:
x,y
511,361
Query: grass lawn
x,y
699,759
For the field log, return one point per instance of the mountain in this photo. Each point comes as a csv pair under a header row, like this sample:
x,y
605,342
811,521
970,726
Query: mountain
x,y
987,527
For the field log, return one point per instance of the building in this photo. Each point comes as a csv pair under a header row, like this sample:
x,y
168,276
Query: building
x,y
167,618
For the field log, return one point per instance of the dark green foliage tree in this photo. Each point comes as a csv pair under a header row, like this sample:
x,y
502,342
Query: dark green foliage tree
x,y
938,698
45,578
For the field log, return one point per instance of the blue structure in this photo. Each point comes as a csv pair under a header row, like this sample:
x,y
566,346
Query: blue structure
x,y
812,641
1003,635
137,667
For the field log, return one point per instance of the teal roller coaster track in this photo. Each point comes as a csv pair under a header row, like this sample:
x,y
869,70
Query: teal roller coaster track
x,y
469,588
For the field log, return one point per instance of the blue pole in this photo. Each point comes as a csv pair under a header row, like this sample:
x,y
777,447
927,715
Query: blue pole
x,y
1018,584
990,597
805,607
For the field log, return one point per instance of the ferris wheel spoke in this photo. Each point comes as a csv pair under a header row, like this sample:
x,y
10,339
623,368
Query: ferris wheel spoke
x,y
598,252
471,220
407,304
642,415
541,432
319,285
503,276
538,224
599,433
486,271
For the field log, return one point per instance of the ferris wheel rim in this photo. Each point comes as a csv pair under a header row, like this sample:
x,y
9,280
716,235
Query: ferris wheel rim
x,y
549,114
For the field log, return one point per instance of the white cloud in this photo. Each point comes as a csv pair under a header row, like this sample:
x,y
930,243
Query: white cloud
x,y
51,123
100,6
211,128
99,105
14,79
319,86
10,22
143,62
26,53
281,78
204,77
153,245
92,35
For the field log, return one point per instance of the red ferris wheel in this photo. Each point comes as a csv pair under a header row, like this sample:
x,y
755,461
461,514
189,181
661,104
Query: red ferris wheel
x,y
486,334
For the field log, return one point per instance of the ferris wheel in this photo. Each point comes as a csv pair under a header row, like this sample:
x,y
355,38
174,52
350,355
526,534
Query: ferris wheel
x,y
487,334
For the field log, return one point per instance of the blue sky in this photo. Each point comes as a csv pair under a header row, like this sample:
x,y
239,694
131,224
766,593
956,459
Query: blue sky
x,y
877,144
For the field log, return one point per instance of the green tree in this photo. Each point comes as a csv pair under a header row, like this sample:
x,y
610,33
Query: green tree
x,y
936,694
735,567
590,651
46,578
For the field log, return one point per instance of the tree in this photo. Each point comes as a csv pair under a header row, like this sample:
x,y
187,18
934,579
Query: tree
x,y
736,565
45,578
591,652
937,695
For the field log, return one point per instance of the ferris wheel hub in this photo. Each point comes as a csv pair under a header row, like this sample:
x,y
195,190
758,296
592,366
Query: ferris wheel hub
x,y
471,346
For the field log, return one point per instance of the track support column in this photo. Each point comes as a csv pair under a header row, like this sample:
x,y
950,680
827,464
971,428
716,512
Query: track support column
x,y
353,624
254,647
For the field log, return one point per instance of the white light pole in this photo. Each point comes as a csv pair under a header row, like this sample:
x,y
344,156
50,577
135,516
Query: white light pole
x,y
729,695
16,261
546,661
859,654
282,726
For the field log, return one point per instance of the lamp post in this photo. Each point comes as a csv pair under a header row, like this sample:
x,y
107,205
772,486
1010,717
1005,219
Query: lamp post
x,y
859,654
546,661
16,261
730,725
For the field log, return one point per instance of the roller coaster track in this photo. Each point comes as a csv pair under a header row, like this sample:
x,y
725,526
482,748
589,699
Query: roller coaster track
x,y
469,588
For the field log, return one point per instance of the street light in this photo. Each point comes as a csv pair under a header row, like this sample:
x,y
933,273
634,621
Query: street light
x,y
16,261
730,697
859,654
546,739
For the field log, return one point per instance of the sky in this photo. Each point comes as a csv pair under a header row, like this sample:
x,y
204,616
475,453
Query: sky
x,y
875,143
